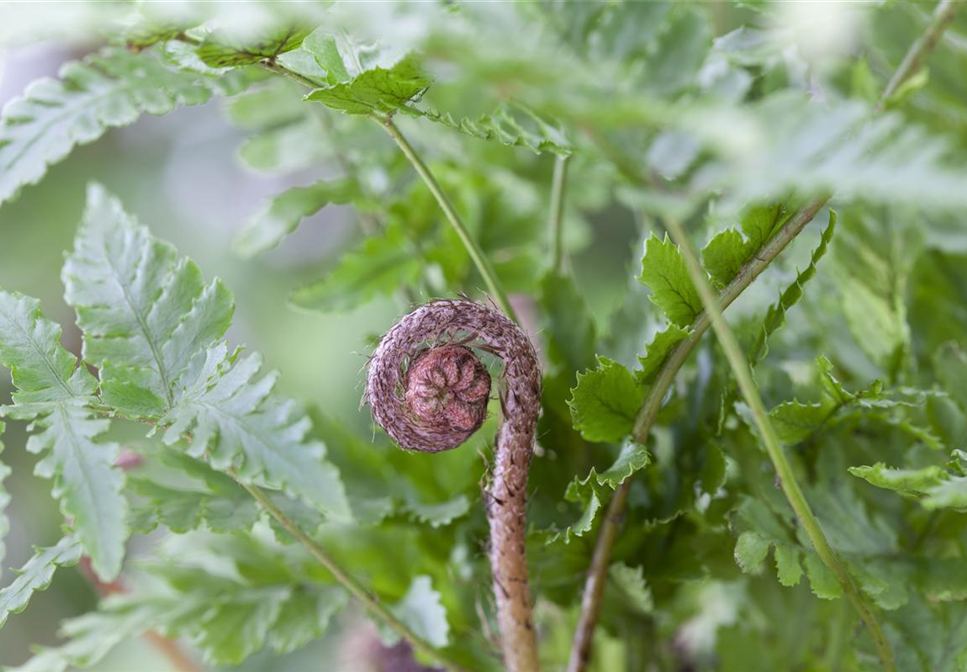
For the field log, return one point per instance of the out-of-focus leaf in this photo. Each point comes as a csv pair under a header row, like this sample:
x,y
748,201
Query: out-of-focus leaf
x,y
108,89
381,265
228,48
55,394
424,614
283,213
37,574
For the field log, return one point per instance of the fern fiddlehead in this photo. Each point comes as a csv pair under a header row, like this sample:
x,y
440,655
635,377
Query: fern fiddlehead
x,y
429,391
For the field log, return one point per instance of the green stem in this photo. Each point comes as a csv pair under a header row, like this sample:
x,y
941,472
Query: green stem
x,y
476,254
350,583
558,196
273,66
944,13
601,559
784,471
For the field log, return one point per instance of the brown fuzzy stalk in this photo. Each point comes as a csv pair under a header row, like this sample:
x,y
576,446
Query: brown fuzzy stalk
x,y
429,391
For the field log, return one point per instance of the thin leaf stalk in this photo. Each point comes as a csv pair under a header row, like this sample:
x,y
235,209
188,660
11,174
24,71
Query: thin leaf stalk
x,y
477,255
784,471
594,586
345,579
556,217
601,558
915,57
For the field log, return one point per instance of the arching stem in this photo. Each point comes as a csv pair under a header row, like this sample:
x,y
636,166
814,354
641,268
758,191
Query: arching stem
x,y
785,475
441,406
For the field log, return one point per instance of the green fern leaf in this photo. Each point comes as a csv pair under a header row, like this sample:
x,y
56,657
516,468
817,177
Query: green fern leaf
x,y
235,421
258,597
55,394
724,255
225,49
511,126
934,487
605,402
422,611
202,497
110,88
663,271
152,325
283,213
381,265
776,315
658,350
37,574
144,312
379,89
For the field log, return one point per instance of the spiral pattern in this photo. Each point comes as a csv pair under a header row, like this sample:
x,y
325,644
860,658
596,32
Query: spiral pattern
x,y
429,391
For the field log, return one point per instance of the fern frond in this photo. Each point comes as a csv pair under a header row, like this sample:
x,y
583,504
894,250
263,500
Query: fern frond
x,y
56,395
108,89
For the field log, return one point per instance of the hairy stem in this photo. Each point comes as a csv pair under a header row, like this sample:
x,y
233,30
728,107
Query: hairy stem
x,y
944,13
346,580
434,398
601,559
558,195
784,471
477,255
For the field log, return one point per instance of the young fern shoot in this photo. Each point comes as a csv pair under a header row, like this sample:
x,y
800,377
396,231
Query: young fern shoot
x,y
434,398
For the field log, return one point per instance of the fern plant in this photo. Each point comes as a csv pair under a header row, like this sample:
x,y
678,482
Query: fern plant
x,y
555,203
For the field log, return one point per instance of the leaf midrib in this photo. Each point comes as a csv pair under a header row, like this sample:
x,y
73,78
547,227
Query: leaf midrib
x,y
115,274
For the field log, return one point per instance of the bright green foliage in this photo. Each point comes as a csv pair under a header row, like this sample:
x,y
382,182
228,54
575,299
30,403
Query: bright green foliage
x,y
144,312
375,90
632,458
514,127
363,80
724,255
663,271
656,351
439,515
283,213
108,89
37,574
421,610
795,421
207,499
776,314
153,324
663,114
934,487
873,277
228,48
605,402
378,267
55,394
259,596
570,333
235,421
